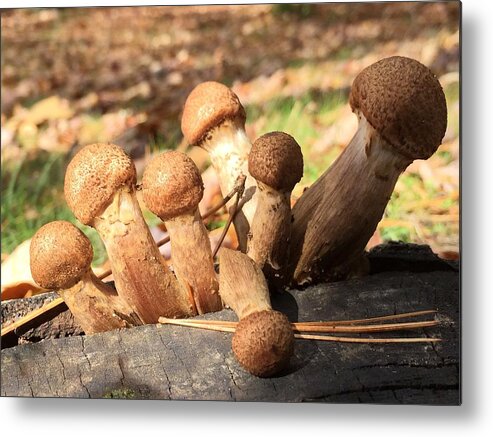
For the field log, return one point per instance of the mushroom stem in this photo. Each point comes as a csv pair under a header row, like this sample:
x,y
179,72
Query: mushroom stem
x,y
97,307
229,156
188,236
276,162
141,276
263,342
268,240
172,189
241,283
214,119
334,219
402,115
60,259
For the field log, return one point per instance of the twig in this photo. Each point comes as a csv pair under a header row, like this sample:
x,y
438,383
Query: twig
x,y
232,214
323,327
215,327
239,188
38,316
375,319
367,328
367,340
330,323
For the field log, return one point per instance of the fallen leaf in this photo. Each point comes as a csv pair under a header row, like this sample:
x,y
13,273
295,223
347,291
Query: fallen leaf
x,y
16,274
51,108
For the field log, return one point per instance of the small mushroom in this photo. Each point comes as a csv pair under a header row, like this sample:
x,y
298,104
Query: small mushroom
x,y
263,342
100,190
276,162
172,189
60,257
214,119
402,116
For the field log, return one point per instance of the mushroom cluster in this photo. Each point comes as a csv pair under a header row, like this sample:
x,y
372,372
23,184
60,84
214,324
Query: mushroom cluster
x,y
402,116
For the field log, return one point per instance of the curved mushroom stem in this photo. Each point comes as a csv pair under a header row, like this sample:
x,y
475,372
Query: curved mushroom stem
x,y
242,285
189,240
334,219
228,148
97,307
141,276
268,239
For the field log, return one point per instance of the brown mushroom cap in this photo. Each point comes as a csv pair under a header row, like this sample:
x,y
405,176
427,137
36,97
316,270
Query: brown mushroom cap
x,y
263,342
93,176
60,254
404,101
172,185
208,105
276,160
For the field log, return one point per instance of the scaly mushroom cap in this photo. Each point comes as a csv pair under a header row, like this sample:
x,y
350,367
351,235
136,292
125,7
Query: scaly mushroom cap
x,y
207,106
276,160
172,185
60,254
404,101
263,342
93,176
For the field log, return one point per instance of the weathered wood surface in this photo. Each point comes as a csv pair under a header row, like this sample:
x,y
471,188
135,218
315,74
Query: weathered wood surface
x,y
170,362
60,323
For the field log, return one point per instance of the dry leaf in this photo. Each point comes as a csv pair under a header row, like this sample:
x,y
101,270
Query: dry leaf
x,y
52,108
16,274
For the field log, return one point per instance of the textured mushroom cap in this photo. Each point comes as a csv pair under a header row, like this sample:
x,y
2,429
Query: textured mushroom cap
x,y
276,160
172,185
93,176
60,254
208,105
403,100
263,342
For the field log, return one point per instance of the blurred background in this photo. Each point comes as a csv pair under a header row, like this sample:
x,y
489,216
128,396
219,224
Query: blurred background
x,y
71,77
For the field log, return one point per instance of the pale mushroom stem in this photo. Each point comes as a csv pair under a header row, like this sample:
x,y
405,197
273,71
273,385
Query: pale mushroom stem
x,y
97,307
229,157
242,285
189,240
140,273
268,240
334,219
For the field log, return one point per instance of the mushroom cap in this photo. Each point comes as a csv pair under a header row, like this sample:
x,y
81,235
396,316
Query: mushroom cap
x,y
172,185
93,176
276,160
263,342
207,106
60,254
404,101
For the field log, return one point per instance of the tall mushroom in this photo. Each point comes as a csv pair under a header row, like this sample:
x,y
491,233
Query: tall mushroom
x,y
276,162
100,190
214,119
172,189
263,342
402,116
60,257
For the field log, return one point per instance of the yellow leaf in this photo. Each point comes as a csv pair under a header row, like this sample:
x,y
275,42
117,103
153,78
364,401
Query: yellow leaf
x,y
51,108
16,274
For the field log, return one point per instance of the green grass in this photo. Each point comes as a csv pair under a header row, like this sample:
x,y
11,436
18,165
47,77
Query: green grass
x,y
302,117
121,393
215,224
32,195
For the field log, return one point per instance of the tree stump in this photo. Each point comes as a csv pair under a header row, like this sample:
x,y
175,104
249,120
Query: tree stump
x,y
172,362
